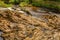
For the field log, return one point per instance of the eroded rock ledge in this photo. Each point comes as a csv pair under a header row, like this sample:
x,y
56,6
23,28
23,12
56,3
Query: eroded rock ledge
x,y
18,26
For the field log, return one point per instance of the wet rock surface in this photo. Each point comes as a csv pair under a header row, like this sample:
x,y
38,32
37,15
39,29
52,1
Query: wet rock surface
x,y
23,26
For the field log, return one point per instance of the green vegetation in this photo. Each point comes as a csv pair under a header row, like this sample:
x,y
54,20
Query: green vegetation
x,y
2,4
22,4
54,4
50,4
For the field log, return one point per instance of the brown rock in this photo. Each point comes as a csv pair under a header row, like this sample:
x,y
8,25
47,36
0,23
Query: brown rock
x,y
18,26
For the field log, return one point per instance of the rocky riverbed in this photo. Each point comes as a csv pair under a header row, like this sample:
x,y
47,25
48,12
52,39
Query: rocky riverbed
x,y
29,23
